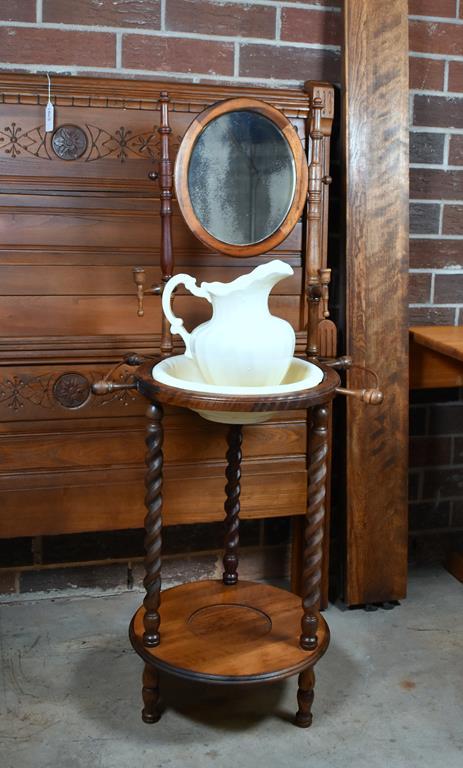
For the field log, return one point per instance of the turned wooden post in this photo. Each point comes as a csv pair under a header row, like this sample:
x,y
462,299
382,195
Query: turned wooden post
x,y
314,523
166,193
150,693
153,526
232,504
305,696
314,229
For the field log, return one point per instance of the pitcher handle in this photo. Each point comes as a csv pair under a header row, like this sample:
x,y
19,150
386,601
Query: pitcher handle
x,y
176,323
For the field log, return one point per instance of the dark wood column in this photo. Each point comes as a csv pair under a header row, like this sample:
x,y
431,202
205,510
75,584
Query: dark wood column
x,y
376,164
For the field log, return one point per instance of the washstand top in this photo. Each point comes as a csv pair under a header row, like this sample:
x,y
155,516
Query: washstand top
x,y
156,391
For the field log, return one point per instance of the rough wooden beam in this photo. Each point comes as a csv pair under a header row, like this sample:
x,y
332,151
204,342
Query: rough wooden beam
x,y
376,164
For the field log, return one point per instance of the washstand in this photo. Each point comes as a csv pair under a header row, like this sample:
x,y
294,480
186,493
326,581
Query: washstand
x,y
242,182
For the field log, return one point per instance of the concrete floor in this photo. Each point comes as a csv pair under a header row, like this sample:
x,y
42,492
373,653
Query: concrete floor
x,y
389,692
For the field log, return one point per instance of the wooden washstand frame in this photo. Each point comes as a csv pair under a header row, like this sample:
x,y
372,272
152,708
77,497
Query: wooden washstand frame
x,y
272,634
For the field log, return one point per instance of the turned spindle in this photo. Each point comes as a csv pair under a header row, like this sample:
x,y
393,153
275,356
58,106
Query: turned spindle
x,y
153,526
232,505
314,525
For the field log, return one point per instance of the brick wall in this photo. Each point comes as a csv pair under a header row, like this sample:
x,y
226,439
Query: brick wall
x,y
436,474
436,266
436,162
281,42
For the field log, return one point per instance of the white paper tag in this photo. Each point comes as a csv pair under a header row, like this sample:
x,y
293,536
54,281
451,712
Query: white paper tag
x,y
49,117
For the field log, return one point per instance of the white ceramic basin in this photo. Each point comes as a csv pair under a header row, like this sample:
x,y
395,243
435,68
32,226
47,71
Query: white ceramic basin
x,y
182,372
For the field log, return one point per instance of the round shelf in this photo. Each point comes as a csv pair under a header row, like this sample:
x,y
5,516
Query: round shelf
x,y
245,633
305,398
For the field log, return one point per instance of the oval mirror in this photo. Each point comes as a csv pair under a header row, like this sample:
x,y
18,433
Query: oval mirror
x,y
241,177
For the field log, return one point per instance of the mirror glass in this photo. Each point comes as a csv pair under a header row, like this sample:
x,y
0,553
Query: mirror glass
x,y
241,177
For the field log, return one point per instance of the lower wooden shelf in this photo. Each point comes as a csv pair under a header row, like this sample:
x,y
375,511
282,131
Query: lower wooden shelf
x,y
244,633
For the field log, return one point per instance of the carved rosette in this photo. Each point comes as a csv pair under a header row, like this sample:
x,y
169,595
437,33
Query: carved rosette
x,y
71,390
69,142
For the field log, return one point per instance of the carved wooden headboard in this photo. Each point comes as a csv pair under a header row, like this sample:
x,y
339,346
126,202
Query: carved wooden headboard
x,y
77,214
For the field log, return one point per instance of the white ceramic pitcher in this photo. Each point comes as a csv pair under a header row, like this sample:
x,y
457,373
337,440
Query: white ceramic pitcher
x,y
242,344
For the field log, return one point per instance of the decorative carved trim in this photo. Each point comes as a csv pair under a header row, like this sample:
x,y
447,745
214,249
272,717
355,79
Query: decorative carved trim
x,y
16,392
71,142
14,141
90,92
70,390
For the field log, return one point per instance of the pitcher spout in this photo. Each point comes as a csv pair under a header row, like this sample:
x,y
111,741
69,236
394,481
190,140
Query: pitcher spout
x,y
265,276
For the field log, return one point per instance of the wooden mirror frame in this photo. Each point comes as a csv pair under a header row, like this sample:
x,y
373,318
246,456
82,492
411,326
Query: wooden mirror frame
x,y
182,164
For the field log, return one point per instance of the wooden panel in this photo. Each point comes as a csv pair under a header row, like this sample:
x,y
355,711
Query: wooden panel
x,y
430,369
376,159
118,502
446,339
70,234
110,280
454,565
97,448
90,315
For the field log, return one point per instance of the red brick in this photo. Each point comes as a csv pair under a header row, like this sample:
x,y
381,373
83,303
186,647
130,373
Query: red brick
x,y
289,63
430,450
436,37
446,418
419,288
172,54
426,74
431,316
429,183
457,514
438,111
220,19
453,221
436,254
432,8
427,516
7,582
413,485
144,14
456,150
309,26
456,75
449,290
21,45
424,218
427,147
18,10
459,458
331,3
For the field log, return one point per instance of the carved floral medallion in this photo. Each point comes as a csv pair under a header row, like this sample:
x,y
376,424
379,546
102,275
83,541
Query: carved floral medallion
x,y
69,142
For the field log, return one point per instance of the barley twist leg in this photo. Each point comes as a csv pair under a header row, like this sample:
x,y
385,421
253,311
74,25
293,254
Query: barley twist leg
x,y
232,505
153,526
313,533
